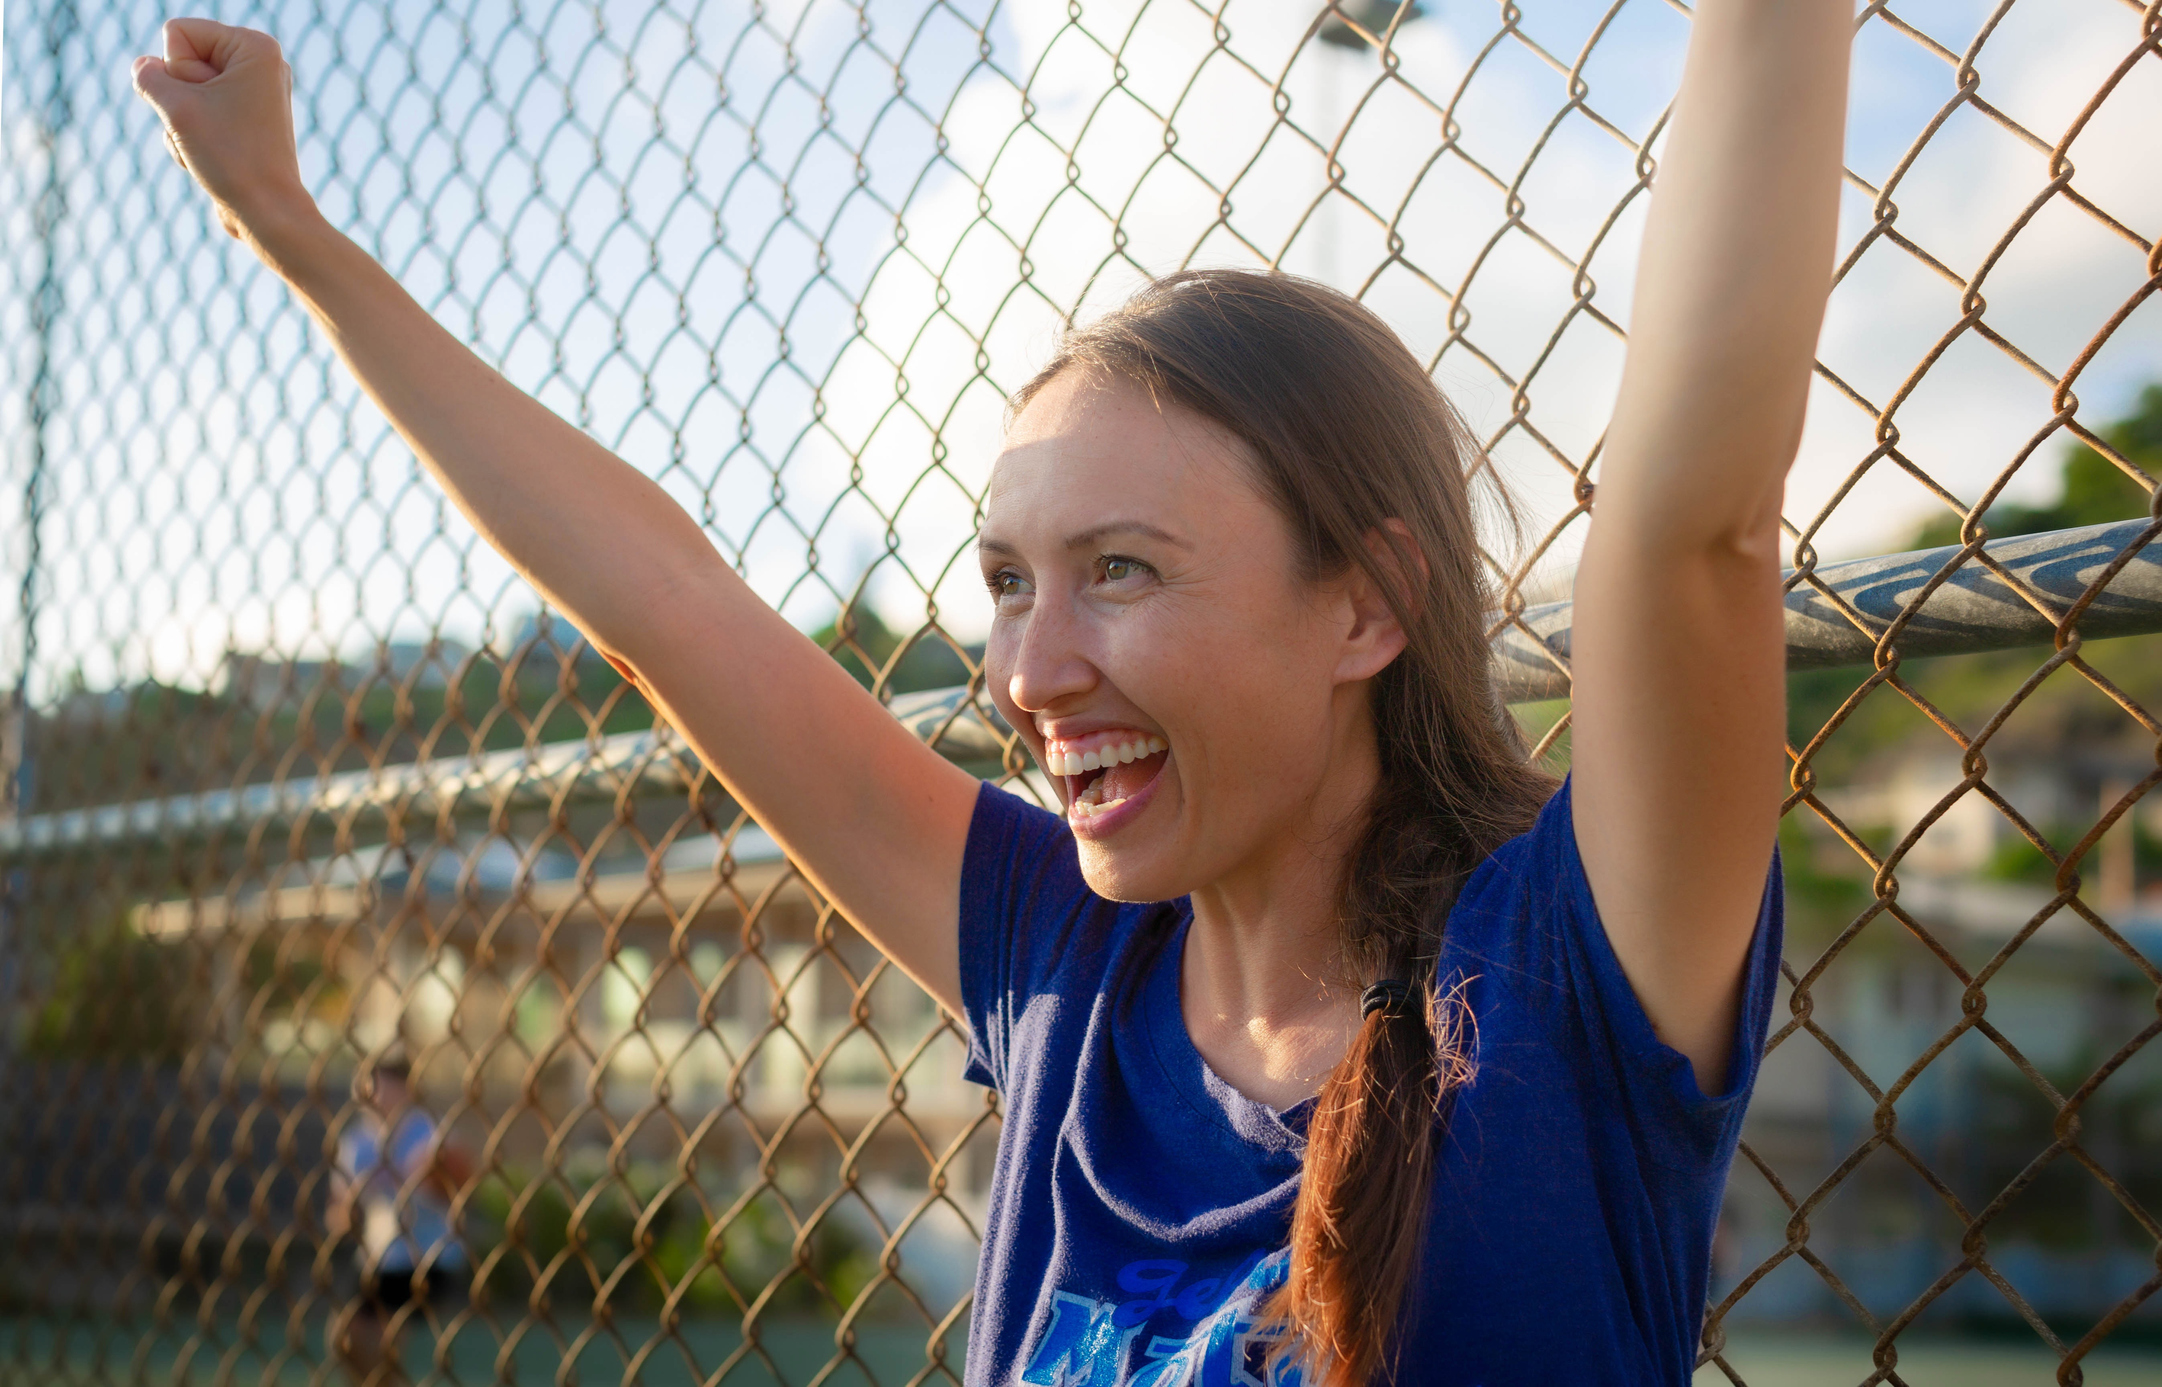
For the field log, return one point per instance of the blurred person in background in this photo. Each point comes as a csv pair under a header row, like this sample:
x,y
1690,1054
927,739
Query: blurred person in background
x,y
391,1192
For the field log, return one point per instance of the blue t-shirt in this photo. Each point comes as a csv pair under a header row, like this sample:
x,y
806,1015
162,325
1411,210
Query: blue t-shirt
x,y
1140,1206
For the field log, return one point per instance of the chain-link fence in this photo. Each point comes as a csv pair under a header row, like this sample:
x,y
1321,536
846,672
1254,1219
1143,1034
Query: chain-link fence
x,y
301,777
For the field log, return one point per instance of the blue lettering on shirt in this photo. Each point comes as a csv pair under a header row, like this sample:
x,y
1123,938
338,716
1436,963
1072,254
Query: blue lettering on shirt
x,y
1099,1343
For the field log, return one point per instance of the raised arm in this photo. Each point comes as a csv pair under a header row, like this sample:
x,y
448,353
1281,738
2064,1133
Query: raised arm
x,y
1677,647
877,819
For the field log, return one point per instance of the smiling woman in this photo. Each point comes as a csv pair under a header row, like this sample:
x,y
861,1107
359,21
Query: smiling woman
x,y
1269,696
1336,1042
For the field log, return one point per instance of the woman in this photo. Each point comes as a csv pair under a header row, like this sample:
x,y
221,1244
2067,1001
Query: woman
x,y
1416,1066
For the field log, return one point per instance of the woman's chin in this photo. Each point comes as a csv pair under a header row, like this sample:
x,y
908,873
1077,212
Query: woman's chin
x,y
1130,876
1134,866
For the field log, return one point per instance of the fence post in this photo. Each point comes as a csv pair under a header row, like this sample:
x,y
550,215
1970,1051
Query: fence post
x,y
56,113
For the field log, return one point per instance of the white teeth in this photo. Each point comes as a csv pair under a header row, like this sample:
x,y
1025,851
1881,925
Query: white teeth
x,y
1085,808
1103,757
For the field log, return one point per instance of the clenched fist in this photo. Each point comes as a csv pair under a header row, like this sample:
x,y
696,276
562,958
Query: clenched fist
x,y
225,96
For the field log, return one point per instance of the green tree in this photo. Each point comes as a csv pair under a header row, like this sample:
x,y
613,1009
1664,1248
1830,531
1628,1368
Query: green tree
x,y
116,995
2092,490
865,644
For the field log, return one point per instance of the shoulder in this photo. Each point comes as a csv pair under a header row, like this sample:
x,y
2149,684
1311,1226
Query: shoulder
x,y
1525,931
1536,872
1526,943
1021,884
1030,927
1013,842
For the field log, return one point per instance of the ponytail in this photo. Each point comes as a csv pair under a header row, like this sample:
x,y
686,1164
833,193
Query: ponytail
x,y
1358,1229
1356,1242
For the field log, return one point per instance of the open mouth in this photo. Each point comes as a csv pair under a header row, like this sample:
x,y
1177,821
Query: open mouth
x,y
1103,770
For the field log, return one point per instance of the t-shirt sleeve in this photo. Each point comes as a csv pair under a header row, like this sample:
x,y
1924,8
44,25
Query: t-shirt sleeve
x,y
1027,923
1534,929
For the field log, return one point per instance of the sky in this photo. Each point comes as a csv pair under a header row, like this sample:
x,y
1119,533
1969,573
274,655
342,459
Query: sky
x,y
791,267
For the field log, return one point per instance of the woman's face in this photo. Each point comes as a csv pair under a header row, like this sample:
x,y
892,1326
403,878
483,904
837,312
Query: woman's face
x,y
1193,696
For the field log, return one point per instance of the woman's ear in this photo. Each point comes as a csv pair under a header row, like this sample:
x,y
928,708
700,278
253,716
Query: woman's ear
x,y
1376,635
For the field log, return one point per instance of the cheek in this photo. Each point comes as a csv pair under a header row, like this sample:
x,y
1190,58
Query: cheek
x,y
998,651
998,662
1241,691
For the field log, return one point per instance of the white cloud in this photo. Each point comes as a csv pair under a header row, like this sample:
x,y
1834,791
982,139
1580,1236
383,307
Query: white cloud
x,y
637,214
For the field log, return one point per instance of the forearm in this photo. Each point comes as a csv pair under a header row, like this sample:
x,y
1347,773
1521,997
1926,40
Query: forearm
x,y
1734,272
599,539
1677,648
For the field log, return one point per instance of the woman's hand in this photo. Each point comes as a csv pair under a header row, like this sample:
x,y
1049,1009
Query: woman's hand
x,y
225,96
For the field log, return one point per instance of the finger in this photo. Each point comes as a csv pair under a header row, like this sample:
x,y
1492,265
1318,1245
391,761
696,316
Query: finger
x,y
187,51
200,49
156,85
192,38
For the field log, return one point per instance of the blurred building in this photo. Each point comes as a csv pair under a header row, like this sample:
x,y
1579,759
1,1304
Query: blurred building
x,y
1900,1105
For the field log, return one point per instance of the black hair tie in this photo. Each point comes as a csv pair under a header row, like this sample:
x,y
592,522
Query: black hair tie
x,y
1387,996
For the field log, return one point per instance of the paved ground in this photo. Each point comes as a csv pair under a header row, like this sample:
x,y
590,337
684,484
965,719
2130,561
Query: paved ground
x,y
892,1354
1792,1360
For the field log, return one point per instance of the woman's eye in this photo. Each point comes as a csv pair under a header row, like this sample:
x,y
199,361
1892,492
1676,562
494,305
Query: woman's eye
x,y
1118,570
1004,584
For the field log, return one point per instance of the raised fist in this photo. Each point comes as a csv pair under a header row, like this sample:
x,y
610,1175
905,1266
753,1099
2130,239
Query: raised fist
x,y
225,96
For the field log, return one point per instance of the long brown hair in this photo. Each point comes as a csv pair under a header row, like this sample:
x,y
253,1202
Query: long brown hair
x,y
1345,432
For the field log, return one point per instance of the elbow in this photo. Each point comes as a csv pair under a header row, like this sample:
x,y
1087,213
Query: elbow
x,y
1749,543
1687,544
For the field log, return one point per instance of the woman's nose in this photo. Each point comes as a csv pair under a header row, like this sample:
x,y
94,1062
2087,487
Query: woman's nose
x,y
1049,663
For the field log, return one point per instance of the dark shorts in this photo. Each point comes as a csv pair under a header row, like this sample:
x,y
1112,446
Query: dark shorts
x,y
386,1289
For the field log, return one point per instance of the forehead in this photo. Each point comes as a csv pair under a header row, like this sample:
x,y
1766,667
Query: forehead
x,y
1090,442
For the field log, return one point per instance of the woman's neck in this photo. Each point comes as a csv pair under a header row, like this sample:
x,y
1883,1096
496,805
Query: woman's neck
x,y
1263,984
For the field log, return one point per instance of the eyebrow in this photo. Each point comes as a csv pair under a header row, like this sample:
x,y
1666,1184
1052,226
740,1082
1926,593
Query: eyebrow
x,y
1094,534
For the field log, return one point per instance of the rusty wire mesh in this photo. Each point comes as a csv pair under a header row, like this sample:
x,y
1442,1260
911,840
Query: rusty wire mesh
x,y
300,773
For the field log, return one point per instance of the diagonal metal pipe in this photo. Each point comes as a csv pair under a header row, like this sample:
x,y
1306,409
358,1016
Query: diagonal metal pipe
x,y
1839,613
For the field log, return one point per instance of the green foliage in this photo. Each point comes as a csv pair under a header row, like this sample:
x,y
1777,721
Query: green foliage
x,y
865,645
152,739
2065,715
1826,887
2017,860
597,1218
2092,489
116,995
756,1248
2064,1208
